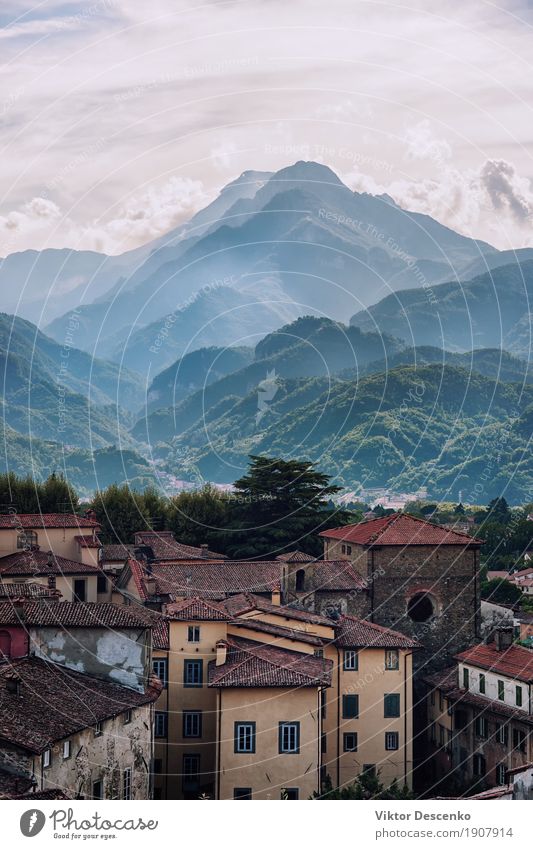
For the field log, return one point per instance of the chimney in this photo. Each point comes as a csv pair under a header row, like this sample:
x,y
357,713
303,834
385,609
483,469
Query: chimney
x,y
222,652
12,683
150,585
205,550
503,638
276,595
51,582
91,515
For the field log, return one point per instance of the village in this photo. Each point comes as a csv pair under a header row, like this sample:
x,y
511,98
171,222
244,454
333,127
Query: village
x,y
155,669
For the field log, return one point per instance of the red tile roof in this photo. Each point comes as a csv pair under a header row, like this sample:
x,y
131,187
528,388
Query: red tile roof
x,y
68,614
515,662
164,546
276,630
295,557
116,553
208,580
245,602
32,521
446,681
196,609
399,529
251,664
42,563
355,633
55,702
337,575
27,590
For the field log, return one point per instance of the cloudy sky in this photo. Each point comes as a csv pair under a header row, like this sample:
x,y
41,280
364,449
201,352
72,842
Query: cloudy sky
x,y
120,118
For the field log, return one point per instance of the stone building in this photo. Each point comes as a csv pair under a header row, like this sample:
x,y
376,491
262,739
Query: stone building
x,y
421,579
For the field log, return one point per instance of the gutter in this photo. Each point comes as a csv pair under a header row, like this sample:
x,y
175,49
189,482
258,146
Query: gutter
x,y
338,718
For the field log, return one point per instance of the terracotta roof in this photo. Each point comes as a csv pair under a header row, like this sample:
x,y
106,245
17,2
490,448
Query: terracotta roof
x,y
88,542
196,609
337,575
208,580
279,631
55,702
399,529
29,589
42,563
522,573
68,614
357,632
237,605
515,662
295,557
251,664
495,574
45,520
116,553
52,793
164,546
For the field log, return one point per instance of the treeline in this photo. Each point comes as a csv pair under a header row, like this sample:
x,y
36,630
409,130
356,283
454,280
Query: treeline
x,y
278,505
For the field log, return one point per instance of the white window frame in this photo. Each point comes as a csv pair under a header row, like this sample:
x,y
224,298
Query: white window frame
x,y
350,660
47,758
395,655
194,631
126,783
392,736
66,749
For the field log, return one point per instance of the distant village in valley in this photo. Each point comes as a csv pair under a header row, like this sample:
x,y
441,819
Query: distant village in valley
x,y
281,645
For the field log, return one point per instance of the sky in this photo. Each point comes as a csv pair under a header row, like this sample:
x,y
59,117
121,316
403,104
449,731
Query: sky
x,y
119,119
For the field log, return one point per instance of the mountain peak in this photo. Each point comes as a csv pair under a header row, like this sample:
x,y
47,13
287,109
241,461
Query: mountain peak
x,y
307,171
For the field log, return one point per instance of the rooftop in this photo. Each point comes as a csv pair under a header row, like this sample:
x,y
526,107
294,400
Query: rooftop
x,y
399,529
354,633
207,580
42,563
28,589
447,681
295,557
251,664
31,521
68,614
281,631
337,576
237,605
515,662
196,609
116,553
54,702
88,541
164,546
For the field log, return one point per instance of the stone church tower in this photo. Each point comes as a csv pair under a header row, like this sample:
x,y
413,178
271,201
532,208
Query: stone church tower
x,y
421,579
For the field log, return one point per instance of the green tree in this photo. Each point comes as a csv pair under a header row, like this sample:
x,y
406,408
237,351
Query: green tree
x,y
500,591
280,504
367,786
121,512
26,495
498,511
201,516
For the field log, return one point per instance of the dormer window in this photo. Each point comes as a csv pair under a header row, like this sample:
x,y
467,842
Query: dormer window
x,y
27,540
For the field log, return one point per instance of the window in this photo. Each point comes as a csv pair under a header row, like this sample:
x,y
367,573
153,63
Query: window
x,y
160,669
391,705
290,793
98,790
466,679
244,737
319,652
323,704
501,774
193,673
47,758
289,738
392,659
101,584
460,719
98,729
191,768
351,660
518,696
519,740
502,734
480,767
420,607
79,589
127,717
501,691
348,549
300,580
482,683
160,724
242,792
193,634
343,549
392,741
350,742
27,540
350,707
481,726
192,723
66,749
126,783
158,766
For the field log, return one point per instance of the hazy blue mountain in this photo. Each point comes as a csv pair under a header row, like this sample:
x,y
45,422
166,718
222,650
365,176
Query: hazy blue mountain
x,y
300,235
103,382
194,371
435,425
490,311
